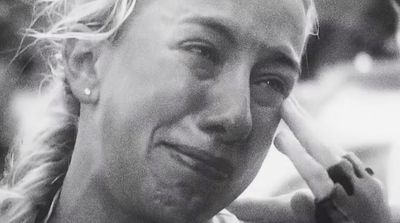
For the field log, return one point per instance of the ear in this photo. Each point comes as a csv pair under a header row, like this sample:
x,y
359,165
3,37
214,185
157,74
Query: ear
x,y
80,60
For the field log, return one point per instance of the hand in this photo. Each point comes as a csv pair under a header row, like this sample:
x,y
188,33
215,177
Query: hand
x,y
349,193
295,207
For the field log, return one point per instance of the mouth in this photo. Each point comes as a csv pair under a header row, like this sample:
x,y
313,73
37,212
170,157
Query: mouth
x,y
214,168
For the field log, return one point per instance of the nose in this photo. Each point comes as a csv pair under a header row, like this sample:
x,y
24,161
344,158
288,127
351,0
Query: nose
x,y
227,113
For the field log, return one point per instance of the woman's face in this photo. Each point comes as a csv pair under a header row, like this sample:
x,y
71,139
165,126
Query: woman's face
x,y
189,101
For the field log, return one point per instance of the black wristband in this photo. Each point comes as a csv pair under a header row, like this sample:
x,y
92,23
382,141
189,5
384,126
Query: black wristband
x,y
339,174
327,212
322,209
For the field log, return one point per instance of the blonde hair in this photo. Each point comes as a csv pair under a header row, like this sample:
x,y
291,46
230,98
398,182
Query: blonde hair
x,y
40,158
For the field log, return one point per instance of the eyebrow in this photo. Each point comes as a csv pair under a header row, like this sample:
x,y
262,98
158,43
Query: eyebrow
x,y
283,58
279,54
216,24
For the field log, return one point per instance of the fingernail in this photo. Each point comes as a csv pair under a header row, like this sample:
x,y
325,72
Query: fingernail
x,y
278,142
276,139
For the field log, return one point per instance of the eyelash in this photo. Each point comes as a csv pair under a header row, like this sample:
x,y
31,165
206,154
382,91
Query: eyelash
x,y
208,51
202,48
275,83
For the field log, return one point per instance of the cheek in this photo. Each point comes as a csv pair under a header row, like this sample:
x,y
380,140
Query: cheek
x,y
150,85
265,123
144,97
137,99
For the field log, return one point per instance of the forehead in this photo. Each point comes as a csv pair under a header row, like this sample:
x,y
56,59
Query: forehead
x,y
262,19
258,8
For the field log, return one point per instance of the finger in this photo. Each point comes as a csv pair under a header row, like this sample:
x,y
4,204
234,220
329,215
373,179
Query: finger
x,y
340,196
358,165
301,125
310,170
343,174
302,205
329,210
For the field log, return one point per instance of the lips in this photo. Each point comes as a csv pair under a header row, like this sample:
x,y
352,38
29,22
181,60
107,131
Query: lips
x,y
209,166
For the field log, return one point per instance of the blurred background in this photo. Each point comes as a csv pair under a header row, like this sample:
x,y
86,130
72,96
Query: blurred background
x,y
17,75
350,84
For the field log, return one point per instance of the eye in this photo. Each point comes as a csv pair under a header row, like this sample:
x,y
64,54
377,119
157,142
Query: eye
x,y
202,49
269,90
273,83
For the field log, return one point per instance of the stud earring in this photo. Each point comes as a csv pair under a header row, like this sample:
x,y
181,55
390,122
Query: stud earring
x,y
87,91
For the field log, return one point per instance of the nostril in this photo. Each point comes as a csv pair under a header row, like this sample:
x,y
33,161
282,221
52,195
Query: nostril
x,y
226,130
218,129
228,120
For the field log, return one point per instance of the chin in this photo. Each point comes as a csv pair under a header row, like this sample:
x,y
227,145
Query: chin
x,y
180,208
171,214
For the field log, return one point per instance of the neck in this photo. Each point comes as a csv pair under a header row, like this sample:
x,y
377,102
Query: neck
x,y
84,197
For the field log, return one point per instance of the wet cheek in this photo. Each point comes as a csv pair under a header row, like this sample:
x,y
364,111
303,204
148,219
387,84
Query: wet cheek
x,y
163,105
265,122
130,121
159,92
